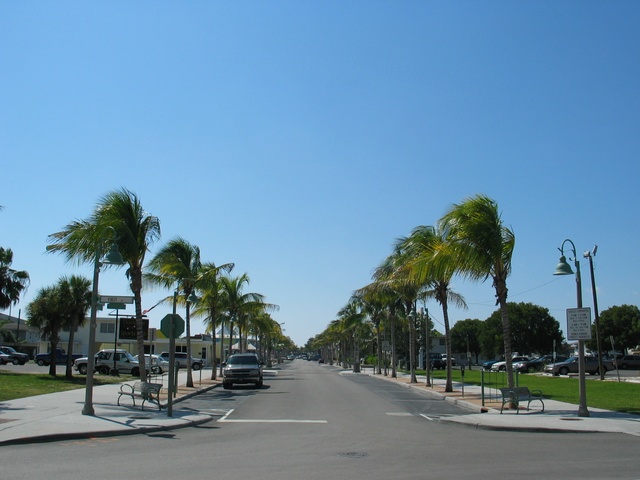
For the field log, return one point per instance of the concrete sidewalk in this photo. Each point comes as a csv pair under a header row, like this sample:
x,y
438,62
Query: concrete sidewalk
x,y
557,416
58,416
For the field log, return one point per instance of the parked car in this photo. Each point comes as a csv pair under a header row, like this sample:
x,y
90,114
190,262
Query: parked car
x,y
4,358
181,360
15,357
444,359
242,368
537,364
625,362
107,359
502,366
60,357
157,363
571,366
486,366
435,361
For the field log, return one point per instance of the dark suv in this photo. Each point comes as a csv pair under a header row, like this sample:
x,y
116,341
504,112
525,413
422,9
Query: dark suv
x,y
242,368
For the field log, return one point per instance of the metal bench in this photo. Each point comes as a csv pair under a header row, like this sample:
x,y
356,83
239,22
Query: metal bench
x,y
148,392
516,395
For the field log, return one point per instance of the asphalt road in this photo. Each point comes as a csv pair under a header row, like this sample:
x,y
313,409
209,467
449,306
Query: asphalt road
x,y
314,422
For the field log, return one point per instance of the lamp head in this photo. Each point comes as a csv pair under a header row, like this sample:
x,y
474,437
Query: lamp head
x,y
113,257
563,267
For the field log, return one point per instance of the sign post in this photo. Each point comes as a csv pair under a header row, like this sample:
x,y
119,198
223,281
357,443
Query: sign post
x,y
172,325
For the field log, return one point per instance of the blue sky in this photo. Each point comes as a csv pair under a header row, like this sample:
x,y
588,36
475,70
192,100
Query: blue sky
x,y
299,140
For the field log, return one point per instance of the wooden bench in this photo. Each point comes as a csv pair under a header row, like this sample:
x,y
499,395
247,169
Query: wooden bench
x,y
148,392
516,395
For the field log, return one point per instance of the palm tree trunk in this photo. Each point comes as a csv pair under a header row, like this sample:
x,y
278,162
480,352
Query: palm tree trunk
x,y
69,366
447,338
188,325
213,347
394,359
501,292
136,288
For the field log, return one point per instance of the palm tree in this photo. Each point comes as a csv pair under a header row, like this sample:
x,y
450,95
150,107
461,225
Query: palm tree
x,y
6,335
374,305
483,246
135,231
431,264
12,282
353,319
46,314
210,304
236,303
75,298
178,263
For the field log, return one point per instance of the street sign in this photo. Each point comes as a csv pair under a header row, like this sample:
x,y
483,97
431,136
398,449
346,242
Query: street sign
x,y
385,346
108,299
116,306
178,325
579,323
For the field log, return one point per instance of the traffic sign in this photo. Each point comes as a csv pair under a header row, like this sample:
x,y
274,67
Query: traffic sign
x,y
178,325
108,299
579,323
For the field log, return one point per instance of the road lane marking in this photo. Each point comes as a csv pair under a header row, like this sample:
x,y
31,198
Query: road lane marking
x,y
399,414
257,420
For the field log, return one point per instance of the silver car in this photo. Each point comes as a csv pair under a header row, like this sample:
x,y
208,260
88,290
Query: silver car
x,y
571,366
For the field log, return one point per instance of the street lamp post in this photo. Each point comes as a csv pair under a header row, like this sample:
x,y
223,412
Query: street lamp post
x,y
564,268
590,256
112,258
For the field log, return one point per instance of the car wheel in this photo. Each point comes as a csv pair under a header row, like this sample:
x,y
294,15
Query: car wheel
x,y
82,369
563,371
531,370
104,370
156,370
40,362
624,366
196,366
15,361
226,385
259,383
502,368
135,372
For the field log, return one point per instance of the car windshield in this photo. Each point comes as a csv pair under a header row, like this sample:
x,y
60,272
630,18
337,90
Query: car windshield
x,y
242,360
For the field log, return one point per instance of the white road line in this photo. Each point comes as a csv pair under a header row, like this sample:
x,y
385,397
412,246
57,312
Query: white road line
x,y
248,420
399,414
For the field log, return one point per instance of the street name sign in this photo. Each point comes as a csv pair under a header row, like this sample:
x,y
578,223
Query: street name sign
x,y
108,299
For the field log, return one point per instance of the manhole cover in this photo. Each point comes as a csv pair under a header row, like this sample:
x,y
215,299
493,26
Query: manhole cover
x,y
572,419
353,455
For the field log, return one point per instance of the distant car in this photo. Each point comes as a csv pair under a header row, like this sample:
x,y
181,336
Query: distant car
x,y
15,357
486,366
242,368
181,360
502,366
537,364
625,362
453,360
4,358
109,359
571,366
158,365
